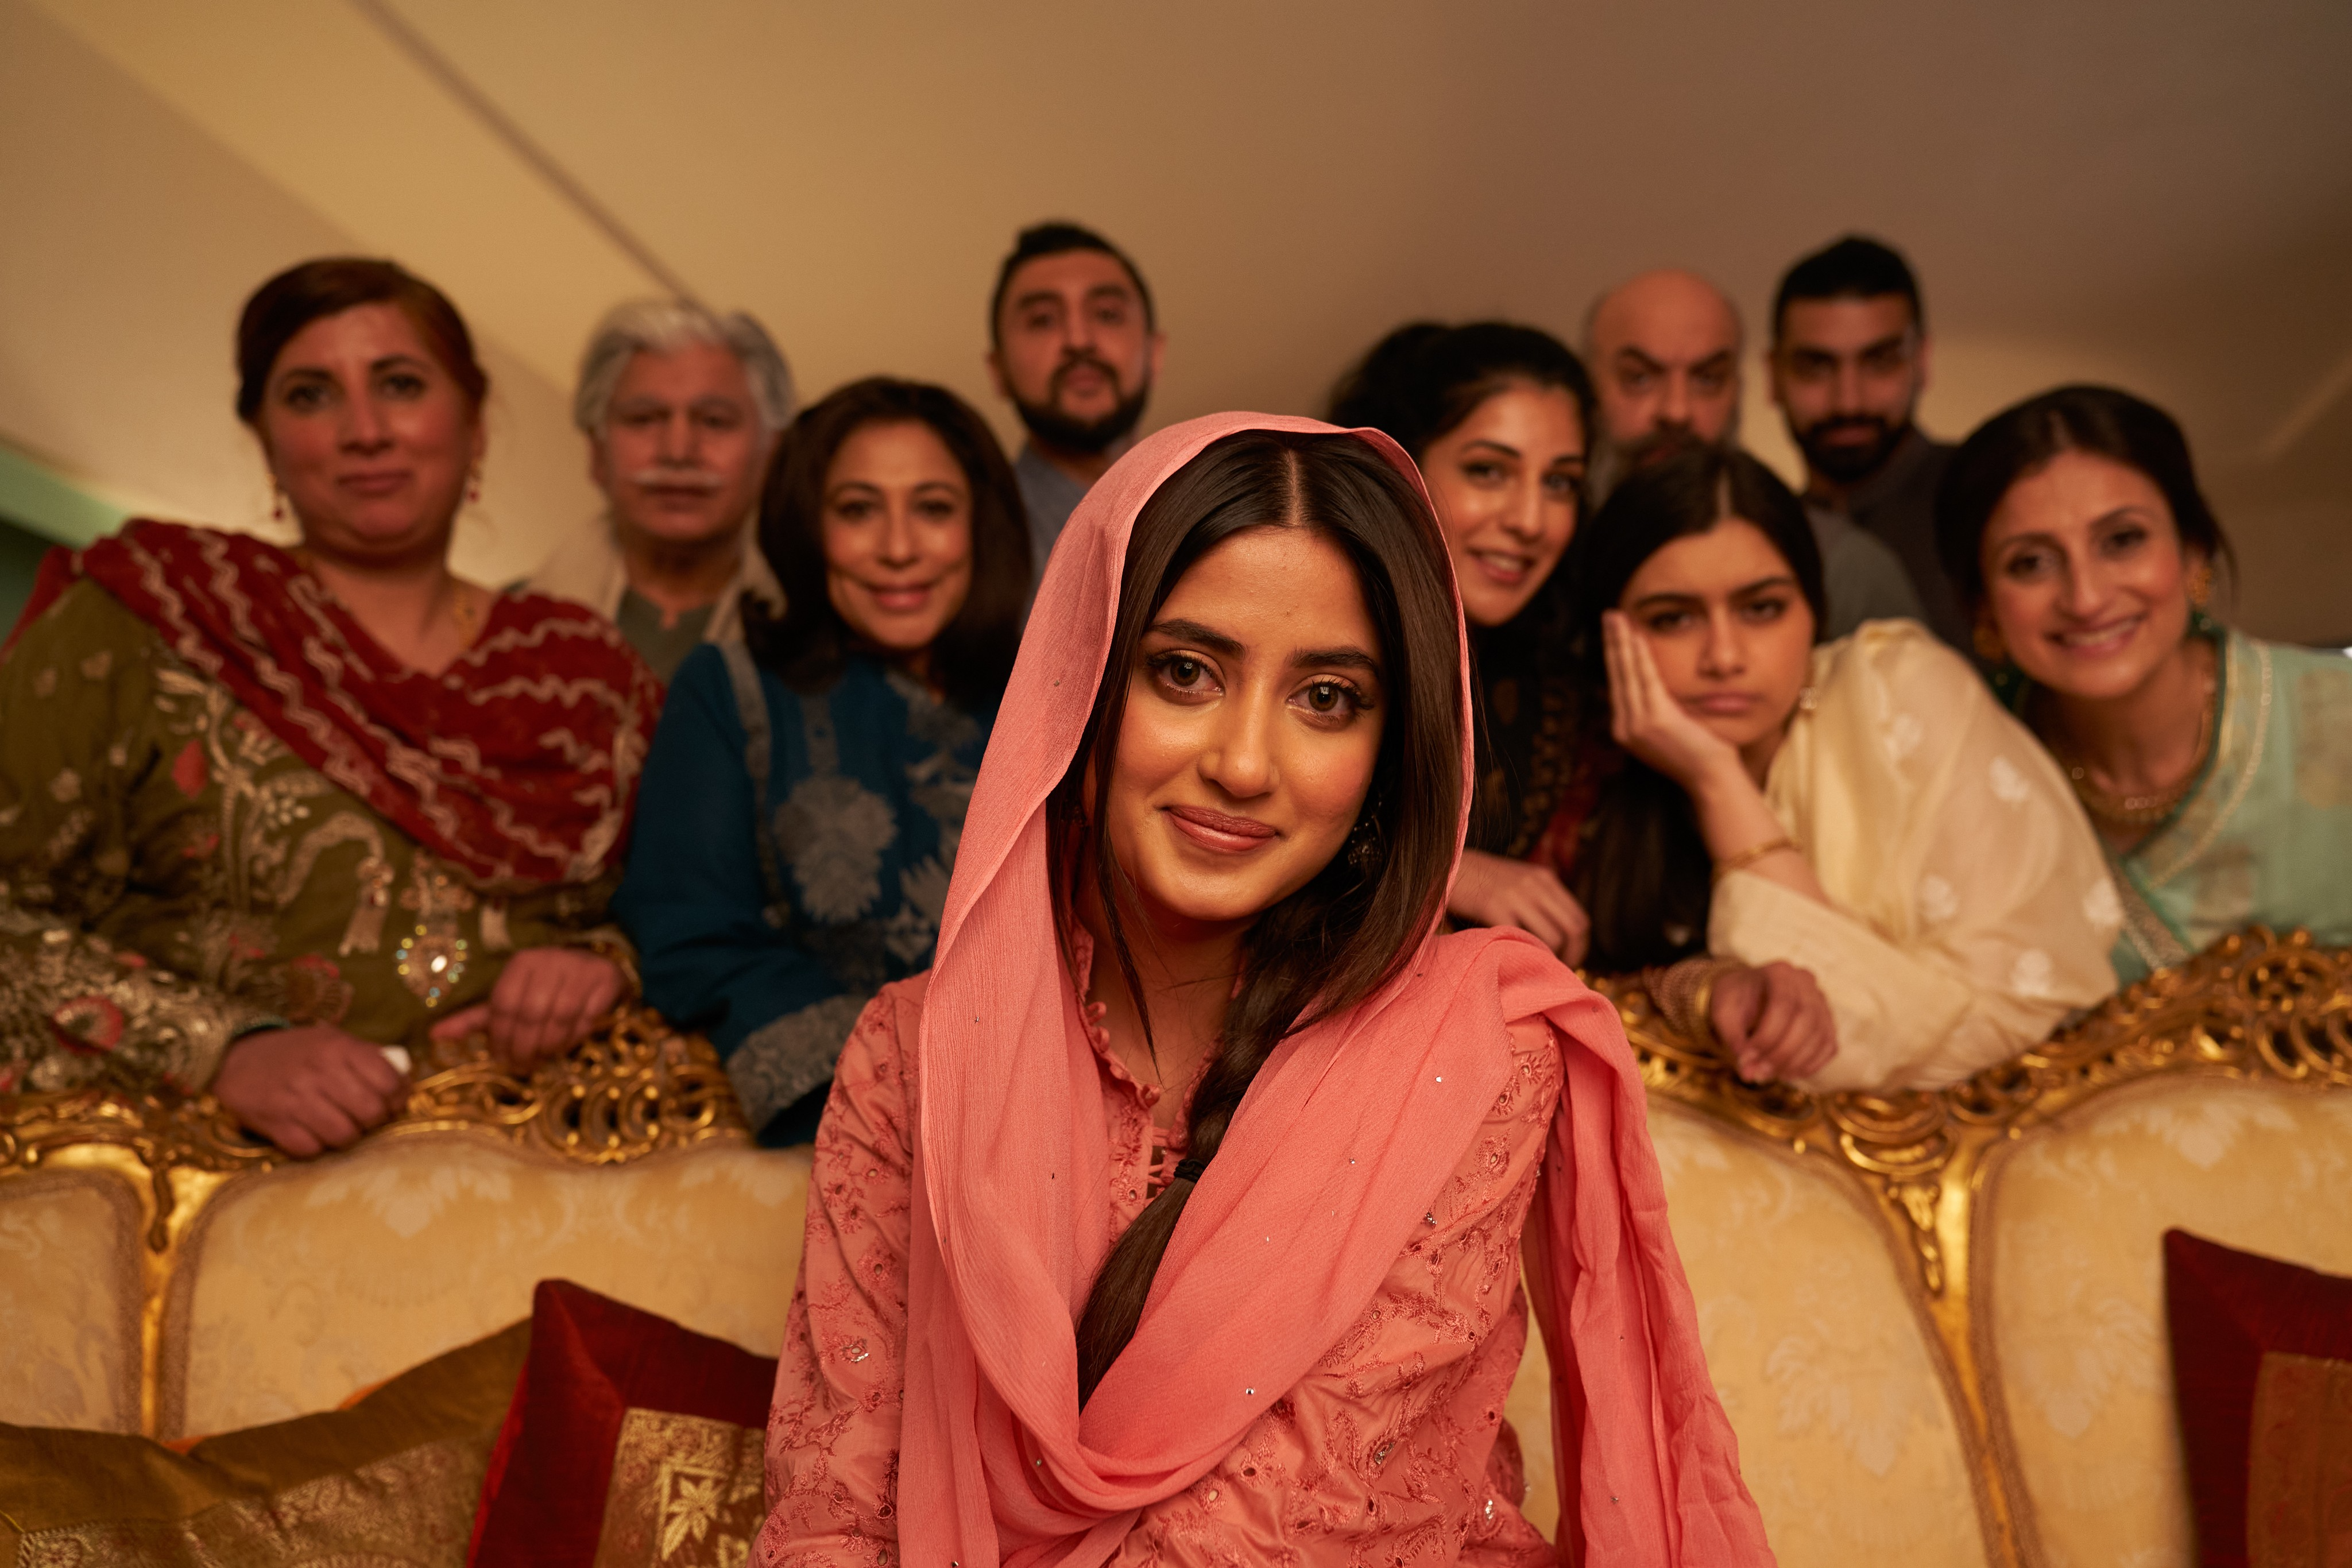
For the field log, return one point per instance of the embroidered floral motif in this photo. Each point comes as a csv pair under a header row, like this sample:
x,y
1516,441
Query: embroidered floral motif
x,y
833,831
1391,1448
239,884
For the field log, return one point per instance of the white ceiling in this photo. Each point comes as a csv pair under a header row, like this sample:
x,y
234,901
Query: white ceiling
x,y
2157,192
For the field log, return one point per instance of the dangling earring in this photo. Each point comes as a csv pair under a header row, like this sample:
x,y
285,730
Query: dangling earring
x,y
276,501
474,488
1366,846
1990,647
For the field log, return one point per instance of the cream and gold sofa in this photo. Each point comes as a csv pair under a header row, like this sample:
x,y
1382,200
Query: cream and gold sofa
x,y
1937,1320
160,1273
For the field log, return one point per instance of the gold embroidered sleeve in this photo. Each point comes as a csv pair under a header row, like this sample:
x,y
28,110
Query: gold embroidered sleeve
x,y
74,1008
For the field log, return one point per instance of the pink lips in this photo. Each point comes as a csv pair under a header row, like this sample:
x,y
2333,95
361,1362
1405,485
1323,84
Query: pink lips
x,y
376,484
901,598
1216,831
1723,705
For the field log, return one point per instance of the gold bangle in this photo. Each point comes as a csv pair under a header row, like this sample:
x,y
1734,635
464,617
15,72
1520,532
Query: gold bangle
x,y
1749,856
1684,994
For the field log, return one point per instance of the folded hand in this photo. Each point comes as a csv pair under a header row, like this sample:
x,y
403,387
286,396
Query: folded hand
x,y
544,1003
1491,890
308,1088
1774,1023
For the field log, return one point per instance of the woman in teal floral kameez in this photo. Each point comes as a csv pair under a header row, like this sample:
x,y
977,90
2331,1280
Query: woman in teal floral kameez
x,y
2216,767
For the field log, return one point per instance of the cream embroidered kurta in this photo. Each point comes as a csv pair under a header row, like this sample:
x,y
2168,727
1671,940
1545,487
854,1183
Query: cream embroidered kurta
x,y
172,875
1970,909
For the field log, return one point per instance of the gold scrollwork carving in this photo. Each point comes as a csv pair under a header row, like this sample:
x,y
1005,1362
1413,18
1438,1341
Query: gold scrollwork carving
x,y
633,1088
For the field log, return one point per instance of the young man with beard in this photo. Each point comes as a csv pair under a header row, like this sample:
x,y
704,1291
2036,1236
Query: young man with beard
x,y
1849,360
1075,347
1664,351
682,409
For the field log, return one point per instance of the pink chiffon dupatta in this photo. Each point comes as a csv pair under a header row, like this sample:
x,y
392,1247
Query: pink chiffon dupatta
x,y
1344,1143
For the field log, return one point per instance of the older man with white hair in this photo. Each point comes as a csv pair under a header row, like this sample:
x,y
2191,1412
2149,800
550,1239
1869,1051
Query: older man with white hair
x,y
682,409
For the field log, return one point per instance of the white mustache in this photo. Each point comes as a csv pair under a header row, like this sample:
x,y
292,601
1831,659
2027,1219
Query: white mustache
x,y
678,479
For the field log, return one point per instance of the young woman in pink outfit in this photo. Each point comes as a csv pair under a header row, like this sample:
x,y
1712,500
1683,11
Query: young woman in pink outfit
x,y
1176,1215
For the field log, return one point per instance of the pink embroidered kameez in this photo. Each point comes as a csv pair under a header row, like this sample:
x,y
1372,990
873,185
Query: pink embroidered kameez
x,y
1393,1448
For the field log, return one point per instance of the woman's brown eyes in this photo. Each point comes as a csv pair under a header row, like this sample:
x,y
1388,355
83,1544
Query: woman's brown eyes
x,y
1334,699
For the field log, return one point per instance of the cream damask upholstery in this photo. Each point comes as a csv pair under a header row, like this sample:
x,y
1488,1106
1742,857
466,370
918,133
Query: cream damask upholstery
x,y
69,1299
301,1286
1936,1321
161,1272
1847,1435
2076,1287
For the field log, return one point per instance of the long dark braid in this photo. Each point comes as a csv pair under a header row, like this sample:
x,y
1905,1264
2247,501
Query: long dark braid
x,y
1349,930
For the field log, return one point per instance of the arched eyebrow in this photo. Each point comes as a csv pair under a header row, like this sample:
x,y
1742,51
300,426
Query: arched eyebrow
x,y
1347,658
1504,448
1180,630
1744,590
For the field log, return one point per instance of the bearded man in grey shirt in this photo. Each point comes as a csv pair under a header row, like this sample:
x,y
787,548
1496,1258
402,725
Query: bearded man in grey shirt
x,y
1074,346
1849,362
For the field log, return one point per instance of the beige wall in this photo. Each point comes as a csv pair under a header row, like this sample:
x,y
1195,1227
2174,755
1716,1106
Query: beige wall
x,y
132,239
2154,192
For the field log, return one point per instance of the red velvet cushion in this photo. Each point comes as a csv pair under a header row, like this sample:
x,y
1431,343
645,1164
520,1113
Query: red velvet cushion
x,y
621,1416
2256,1457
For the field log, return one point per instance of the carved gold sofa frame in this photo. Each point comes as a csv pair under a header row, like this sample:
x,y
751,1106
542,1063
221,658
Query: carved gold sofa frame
x,y
637,1088
2256,1007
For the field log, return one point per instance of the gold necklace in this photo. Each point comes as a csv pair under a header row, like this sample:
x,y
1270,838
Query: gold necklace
x,y
463,609
2143,811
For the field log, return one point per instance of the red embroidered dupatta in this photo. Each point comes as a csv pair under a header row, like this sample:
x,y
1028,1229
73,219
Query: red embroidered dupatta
x,y
518,764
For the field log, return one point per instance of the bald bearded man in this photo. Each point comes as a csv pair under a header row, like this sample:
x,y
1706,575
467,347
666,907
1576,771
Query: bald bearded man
x,y
1664,351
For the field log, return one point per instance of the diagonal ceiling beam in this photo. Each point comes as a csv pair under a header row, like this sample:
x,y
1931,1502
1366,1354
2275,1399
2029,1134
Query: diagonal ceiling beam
x,y
499,124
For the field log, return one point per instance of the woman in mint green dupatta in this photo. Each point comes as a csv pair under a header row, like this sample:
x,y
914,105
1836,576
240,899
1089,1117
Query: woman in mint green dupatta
x,y
2216,768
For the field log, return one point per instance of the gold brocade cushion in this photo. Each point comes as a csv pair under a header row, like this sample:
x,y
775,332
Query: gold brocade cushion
x,y
389,1483
2299,1471
2074,1223
666,1425
301,1285
70,1301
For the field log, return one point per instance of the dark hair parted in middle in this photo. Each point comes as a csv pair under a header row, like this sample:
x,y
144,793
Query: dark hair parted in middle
x,y
1422,380
313,291
1348,932
1641,870
972,657
2099,420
